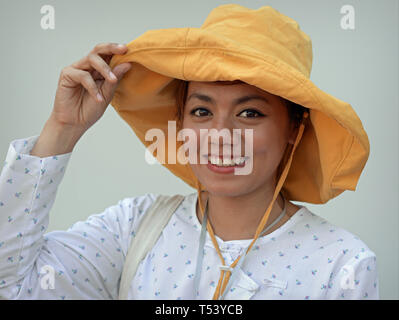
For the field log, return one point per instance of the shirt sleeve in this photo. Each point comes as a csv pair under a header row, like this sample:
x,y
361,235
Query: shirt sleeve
x,y
27,189
84,262
357,279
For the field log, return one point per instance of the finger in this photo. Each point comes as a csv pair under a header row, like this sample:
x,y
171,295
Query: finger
x,y
120,70
75,76
95,74
104,49
109,47
100,65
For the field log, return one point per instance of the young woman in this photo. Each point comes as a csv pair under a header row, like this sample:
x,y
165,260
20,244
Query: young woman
x,y
237,236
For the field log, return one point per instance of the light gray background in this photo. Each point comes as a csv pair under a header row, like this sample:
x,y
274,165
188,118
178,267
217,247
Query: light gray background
x,y
358,66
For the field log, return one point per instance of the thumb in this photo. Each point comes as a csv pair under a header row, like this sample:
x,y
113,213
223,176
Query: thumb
x,y
108,88
121,69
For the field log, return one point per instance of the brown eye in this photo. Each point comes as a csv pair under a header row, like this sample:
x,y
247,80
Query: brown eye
x,y
201,112
251,113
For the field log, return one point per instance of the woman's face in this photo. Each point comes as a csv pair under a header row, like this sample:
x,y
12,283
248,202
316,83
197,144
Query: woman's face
x,y
213,105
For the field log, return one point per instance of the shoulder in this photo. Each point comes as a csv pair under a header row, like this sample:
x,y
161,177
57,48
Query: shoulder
x,y
324,233
340,253
339,245
327,242
139,205
135,208
125,216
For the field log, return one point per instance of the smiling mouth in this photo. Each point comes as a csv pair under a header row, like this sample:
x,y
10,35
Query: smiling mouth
x,y
221,161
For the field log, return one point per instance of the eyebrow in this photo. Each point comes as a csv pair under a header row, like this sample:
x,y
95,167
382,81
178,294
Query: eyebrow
x,y
237,101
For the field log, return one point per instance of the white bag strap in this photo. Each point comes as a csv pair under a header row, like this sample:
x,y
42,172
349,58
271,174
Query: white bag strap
x,y
151,227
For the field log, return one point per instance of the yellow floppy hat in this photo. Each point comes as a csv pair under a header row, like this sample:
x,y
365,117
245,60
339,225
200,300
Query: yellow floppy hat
x,y
263,48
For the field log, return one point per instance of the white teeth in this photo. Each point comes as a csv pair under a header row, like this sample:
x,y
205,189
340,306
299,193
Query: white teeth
x,y
226,162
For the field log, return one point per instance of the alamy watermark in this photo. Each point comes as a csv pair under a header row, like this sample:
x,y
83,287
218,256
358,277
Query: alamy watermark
x,y
348,18
47,21
348,277
48,279
231,147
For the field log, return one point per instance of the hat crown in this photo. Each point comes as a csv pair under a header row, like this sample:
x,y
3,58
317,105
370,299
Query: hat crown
x,y
264,30
263,48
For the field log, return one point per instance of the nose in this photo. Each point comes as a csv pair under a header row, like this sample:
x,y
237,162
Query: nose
x,y
222,126
221,134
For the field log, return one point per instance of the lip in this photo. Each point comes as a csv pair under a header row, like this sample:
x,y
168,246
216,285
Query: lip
x,y
224,170
221,156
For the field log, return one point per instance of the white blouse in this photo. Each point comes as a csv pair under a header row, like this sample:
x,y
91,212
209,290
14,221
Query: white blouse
x,y
306,258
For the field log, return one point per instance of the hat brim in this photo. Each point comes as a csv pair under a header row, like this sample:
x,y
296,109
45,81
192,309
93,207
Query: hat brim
x,y
334,147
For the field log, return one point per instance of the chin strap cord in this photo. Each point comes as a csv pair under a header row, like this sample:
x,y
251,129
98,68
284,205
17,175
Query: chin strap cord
x,y
226,271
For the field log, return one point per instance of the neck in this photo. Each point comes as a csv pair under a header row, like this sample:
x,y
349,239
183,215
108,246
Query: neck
x,y
238,217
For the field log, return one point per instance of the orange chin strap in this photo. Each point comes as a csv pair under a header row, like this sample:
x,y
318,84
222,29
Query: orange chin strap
x,y
225,273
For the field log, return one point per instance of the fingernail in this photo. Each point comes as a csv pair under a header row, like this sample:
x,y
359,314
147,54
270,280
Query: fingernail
x,y
99,97
128,67
121,45
112,76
